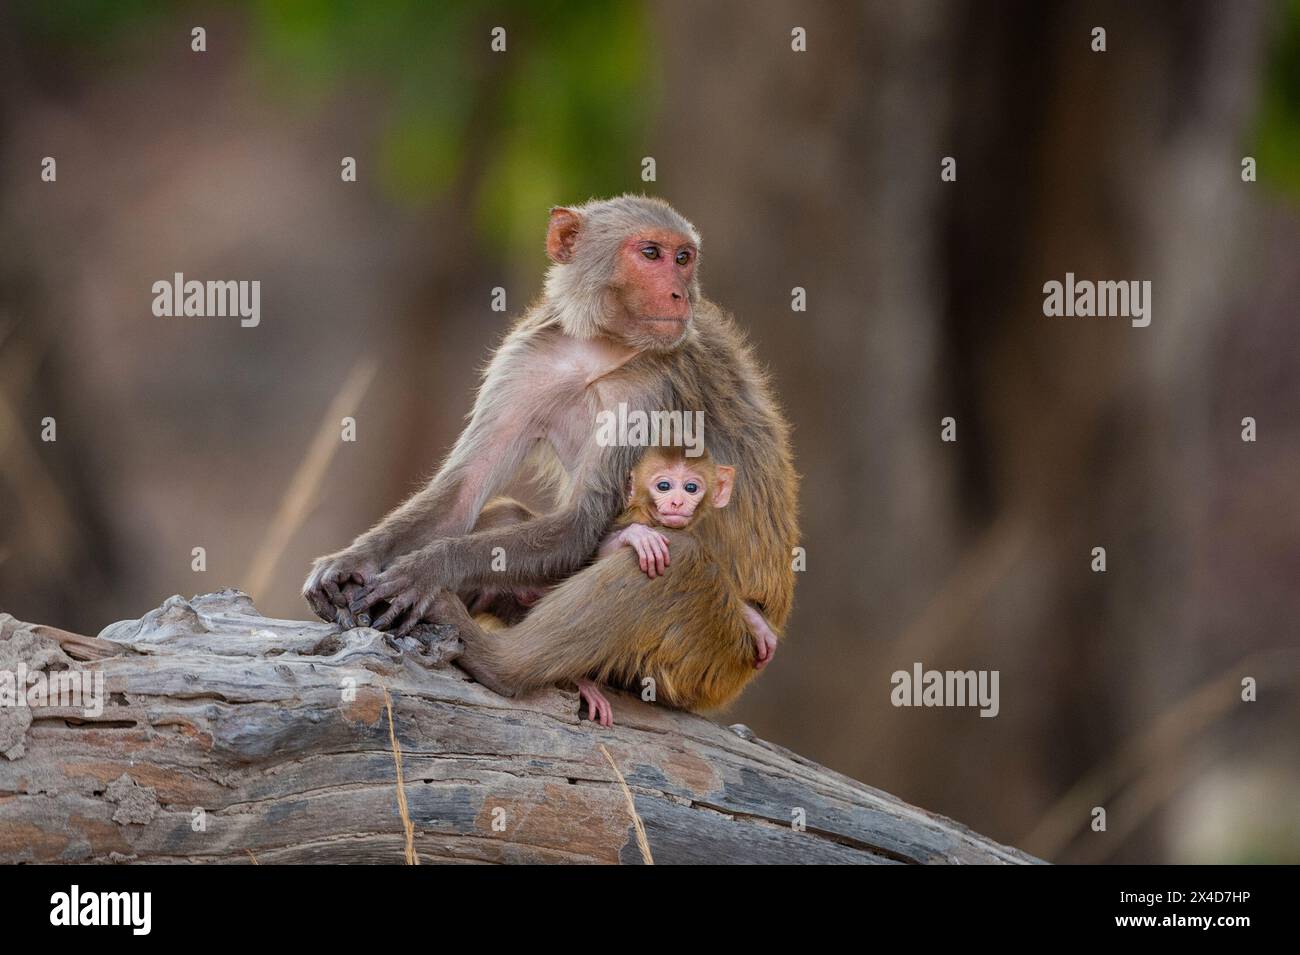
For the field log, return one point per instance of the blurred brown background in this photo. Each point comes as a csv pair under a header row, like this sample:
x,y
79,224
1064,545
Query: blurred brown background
x,y
817,169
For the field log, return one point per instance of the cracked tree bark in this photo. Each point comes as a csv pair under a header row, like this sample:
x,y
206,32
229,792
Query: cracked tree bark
x,y
229,737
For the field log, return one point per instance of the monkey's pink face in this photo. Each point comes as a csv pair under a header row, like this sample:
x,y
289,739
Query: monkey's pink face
x,y
676,492
652,281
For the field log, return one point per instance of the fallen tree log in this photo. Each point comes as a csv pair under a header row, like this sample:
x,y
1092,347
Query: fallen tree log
x,y
226,736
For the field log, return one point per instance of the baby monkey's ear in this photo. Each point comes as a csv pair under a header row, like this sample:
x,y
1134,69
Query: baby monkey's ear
x,y
726,480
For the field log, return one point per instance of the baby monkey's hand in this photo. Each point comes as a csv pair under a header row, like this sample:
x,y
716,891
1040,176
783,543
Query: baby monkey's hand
x,y
651,548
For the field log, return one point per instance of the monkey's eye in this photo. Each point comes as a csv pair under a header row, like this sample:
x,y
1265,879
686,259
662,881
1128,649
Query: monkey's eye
x,y
692,487
664,486
650,252
683,257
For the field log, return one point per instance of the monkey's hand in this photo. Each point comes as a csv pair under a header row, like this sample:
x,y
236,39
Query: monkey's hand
x,y
334,581
763,636
598,708
651,548
410,585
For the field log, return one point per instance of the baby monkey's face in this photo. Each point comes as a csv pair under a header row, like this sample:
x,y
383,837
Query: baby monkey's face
x,y
676,491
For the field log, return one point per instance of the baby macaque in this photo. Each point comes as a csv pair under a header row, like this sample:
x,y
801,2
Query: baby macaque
x,y
709,653
667,489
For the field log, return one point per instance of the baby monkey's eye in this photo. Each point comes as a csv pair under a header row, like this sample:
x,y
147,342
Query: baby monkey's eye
x,y
683,257
650,252
664,486
691,487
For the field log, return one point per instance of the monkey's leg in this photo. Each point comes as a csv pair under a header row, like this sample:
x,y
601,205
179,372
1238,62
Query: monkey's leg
x,y
503,512
510,605
483,657
498,513
535,653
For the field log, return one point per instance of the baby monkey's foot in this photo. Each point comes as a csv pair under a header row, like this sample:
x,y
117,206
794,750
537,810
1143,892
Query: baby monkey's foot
x,y
598,708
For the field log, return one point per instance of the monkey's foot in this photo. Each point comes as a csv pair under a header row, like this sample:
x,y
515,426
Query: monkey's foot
x,y
598,708
434,644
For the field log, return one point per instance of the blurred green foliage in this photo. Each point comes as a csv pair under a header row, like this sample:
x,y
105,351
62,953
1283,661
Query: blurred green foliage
x,y
555,117
559,116
1277,145
93,25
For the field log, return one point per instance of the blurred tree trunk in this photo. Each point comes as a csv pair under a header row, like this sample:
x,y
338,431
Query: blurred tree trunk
x,y
850,149
1072,433
56,545
1117,165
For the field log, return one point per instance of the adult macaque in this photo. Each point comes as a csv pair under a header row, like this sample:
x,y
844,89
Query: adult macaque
x,y
621,321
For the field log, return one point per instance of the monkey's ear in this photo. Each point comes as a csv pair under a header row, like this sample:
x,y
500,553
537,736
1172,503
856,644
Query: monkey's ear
x,y
562,234
726,481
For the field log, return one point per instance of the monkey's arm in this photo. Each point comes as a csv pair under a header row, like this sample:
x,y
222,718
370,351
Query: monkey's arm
x,y
535,553
502,430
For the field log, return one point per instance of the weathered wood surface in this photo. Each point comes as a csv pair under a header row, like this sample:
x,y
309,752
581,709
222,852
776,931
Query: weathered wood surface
x,y
229,737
